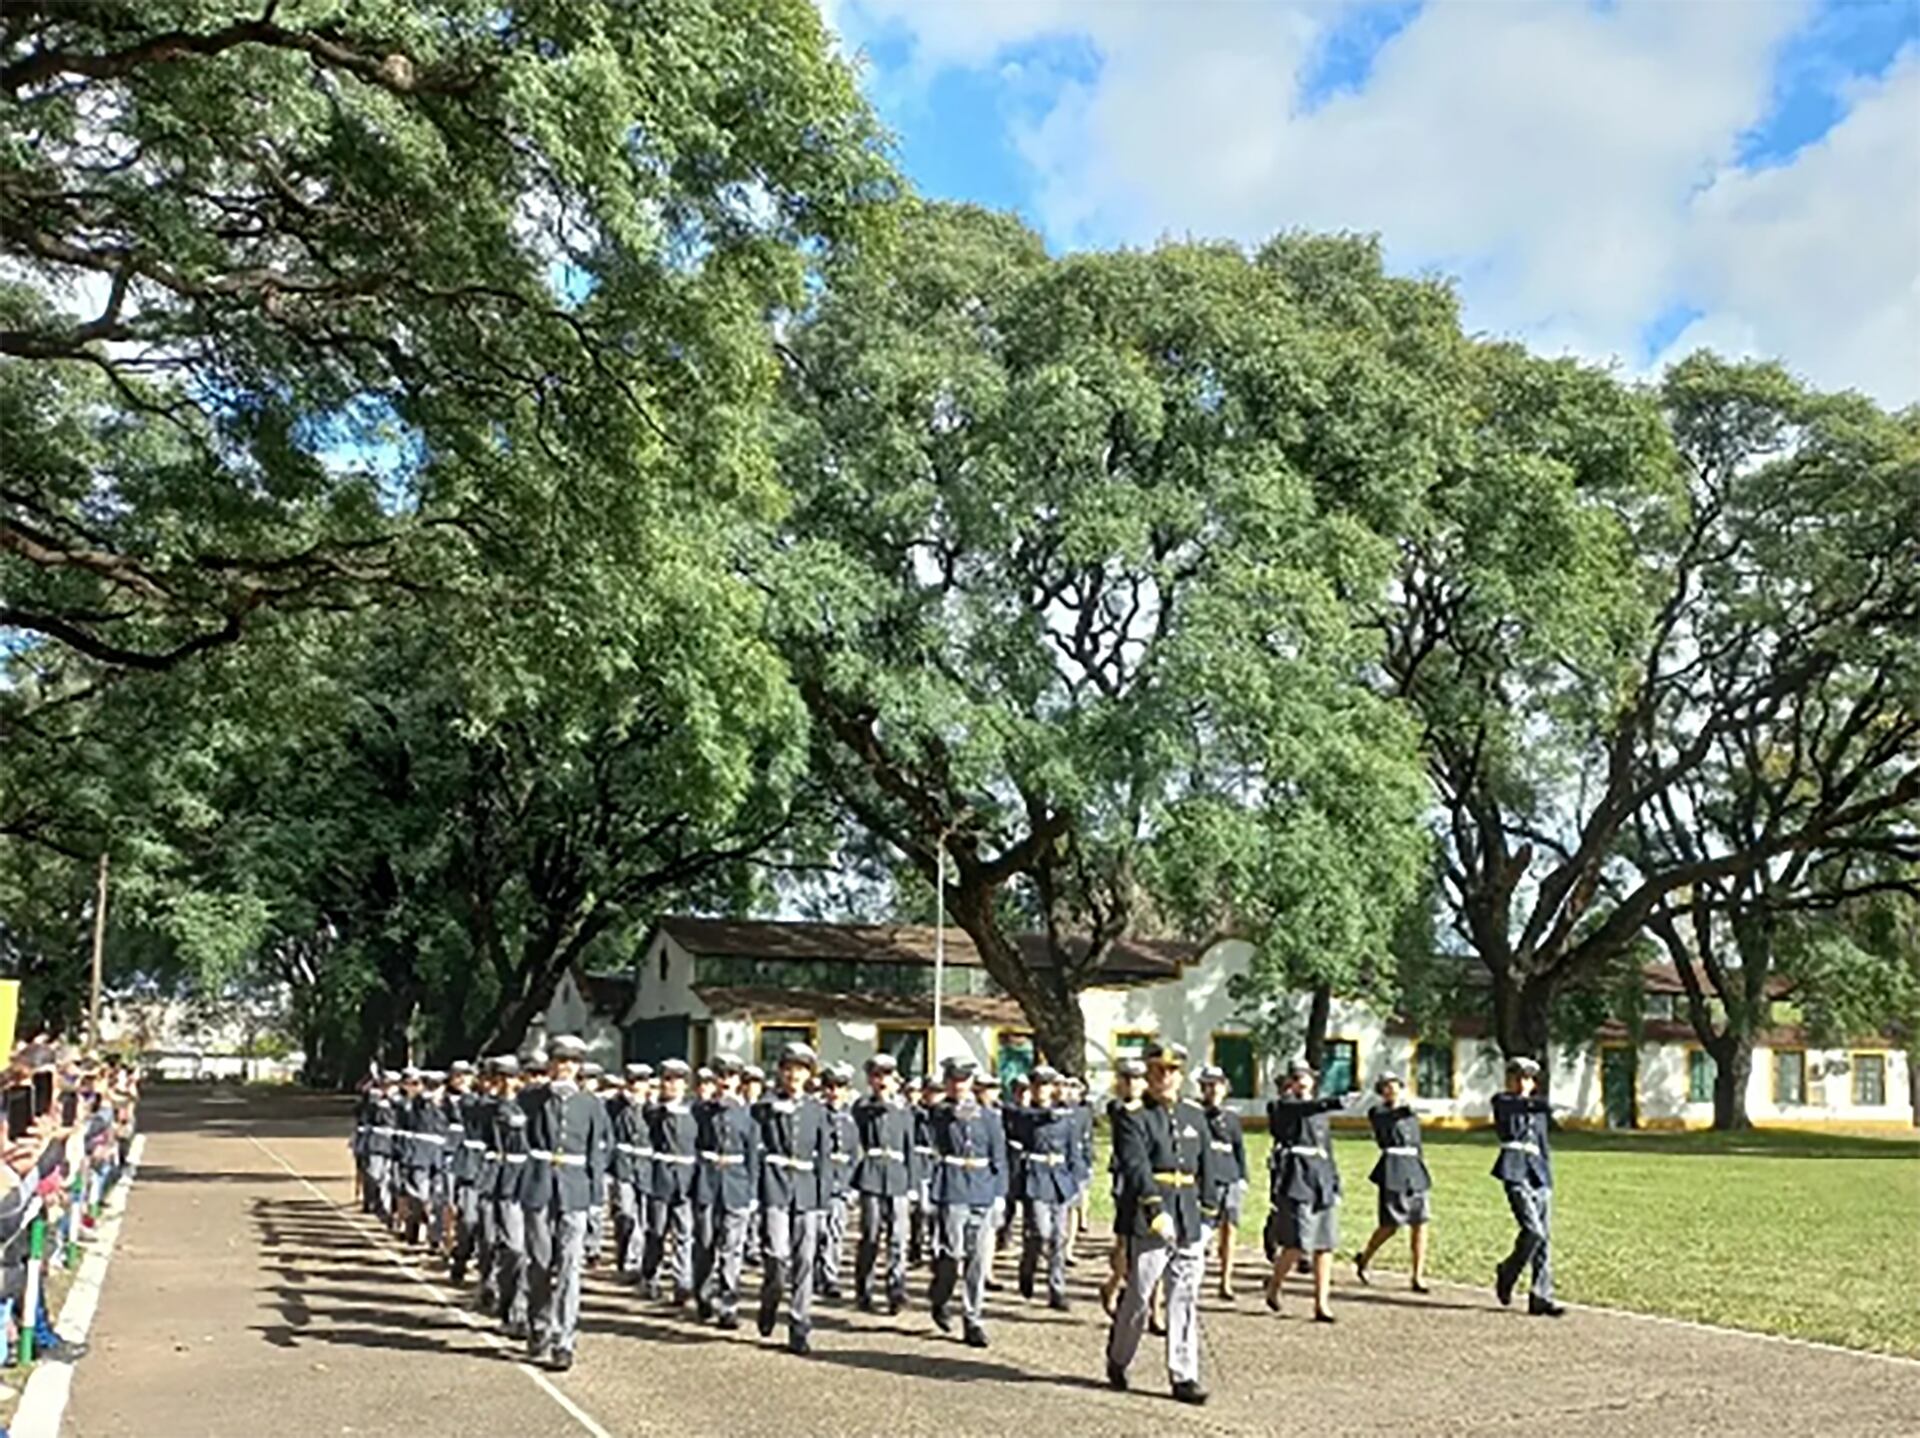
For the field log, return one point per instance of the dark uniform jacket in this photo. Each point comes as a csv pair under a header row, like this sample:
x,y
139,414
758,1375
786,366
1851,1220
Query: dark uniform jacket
x,y
464,1144
925,1158
1521,1122
676,1149
1401,1167
1165,1165
633,1146
1083,1150
1049,1141
997,1125
729,1155
885,1128
845,1139
1229,1146
1302,1167
510,1142
426,1142
362,1122
968,1142
795,1152
481,1119
382,1142
568,1145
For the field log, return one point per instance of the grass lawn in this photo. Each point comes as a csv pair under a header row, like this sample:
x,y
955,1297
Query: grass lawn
x,y
1792,1232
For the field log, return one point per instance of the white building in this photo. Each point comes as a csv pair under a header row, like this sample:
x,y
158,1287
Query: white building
x,y
708,986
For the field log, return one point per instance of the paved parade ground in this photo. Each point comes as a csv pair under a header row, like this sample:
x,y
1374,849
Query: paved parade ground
x,y
247,1300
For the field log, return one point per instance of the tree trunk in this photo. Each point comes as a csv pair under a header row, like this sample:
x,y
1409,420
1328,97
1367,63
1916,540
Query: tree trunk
x,y
1059,1030
1733,1066
1319,1015
1522,1007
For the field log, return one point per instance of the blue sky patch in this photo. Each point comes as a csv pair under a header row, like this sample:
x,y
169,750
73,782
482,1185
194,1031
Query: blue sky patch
x,y
1343,60
1843,42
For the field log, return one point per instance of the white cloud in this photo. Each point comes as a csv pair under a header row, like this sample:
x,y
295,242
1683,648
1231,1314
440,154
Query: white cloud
x,y
1575,166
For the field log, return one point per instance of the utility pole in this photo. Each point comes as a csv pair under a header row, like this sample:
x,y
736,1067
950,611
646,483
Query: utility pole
x,y
939,946
99,947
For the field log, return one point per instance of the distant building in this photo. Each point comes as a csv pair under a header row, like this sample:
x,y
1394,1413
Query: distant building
x,y
708,986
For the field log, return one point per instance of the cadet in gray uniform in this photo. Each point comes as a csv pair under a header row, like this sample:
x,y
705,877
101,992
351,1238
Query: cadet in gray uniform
x,y
1402,1178
729,1181
920,1222
632,1168
753,1088
676,1154
1229,1169
883,1177
795,1148
509,1278
568,1145
1164,1160
465,1148
1525,1167
590,1076
1049,1134
836,1093
1305,1187
967,1142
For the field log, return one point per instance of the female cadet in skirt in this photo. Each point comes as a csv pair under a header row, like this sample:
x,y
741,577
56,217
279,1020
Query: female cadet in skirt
x,y
1305,1191
1401,1177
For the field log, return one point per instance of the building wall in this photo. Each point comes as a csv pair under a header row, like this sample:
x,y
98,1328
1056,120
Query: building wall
x,y
570,1013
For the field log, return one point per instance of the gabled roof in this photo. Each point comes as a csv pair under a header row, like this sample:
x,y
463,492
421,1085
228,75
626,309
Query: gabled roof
x,y
610,994
908,1010
1129,961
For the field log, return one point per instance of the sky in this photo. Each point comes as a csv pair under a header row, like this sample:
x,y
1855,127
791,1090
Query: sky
x,y
1623,180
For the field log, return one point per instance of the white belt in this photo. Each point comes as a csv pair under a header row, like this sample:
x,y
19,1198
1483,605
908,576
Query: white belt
x,y
1401,1151
1521,1147
427,1137
1219,1147
456,1128
1305,1152
1052,1160
954,1160
725,1160
635,1150
562,1159
886,1153
473,1143
514,1157
685,1160
780,1160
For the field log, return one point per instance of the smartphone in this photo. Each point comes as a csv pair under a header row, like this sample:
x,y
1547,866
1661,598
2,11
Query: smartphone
x,y
43,1091
19,1110
69,1107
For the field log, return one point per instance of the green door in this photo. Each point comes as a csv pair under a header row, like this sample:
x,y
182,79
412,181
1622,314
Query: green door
x,y
1617,1073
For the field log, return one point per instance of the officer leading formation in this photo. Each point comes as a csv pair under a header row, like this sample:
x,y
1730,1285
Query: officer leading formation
x,y
517,1170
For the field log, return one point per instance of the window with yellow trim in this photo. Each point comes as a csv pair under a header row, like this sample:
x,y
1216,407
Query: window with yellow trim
x,y
1789,1077
1131,1043
771,1039
1869,1080
1233,1056
1433,1070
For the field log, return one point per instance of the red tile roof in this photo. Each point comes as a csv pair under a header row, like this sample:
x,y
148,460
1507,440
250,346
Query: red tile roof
x,y
727,1001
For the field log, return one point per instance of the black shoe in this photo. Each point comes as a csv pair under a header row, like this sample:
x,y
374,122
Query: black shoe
x,y
705,1310
1156,1328
727,1322
994,1285
976,1336
896,1302
1503,1282
828,1290
1058,1303
765,1323
1320,1315
1544,1308
797,1342
942,1319
517,1332
1360,1268
1187,1391
457,1275
1026,1291
1116,1377
864,1303
1418,1287
539,1355
562,1360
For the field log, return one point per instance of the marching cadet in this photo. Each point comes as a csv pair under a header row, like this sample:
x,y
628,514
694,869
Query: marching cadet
x,y
967,1142
1049,1135
362,1142
513,1283
1228,1176
590,1083
1164,1159
424,1139
1525,1167
836,1093
464,1151
503,1085
795,1149
883,1177
730,1181
674,1131
1305,1186
568,1143
1129,1090
986,1092
1402,1178
920,1223
1010,1118
1075,1097
383,1145
753,1088
632,1169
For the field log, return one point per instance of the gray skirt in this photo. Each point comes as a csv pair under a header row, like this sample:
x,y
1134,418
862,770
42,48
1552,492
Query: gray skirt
x,y
1301,1225
1402,1210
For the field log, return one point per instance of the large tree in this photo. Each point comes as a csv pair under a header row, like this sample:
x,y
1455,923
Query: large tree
x,y
305,303
1046,515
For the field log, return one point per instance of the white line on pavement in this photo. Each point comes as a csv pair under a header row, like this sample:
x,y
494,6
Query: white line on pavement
x,y
352,1220
44,1402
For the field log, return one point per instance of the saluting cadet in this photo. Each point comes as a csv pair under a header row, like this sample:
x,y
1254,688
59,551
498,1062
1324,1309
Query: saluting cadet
x,y
883,1177
967,1142
729,1181
568,1144
836,1093
1525,1166
1129,1090
676,1153
1402,1178
1049,1135
1227,1178
1305,1186
423,1141
1164,1161
632,1169
795,1148
465,1148
1303,1225
920,1222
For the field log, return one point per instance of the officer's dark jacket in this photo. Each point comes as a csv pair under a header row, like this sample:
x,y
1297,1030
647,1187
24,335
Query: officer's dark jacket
x,y
426,1124
1521,1119
1297,1175
1398,1172
885,1128
676,1149
569,1142
795,1152
1083,1148
382,1142
1119,1115
1165,1164
1044,1163
465,1143
729,1155
968,1142
844,1138
1229,1147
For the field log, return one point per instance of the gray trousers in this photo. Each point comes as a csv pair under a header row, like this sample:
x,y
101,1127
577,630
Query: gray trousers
x,y
833,1242
486,1247
596,1226
1148,1261
889,1218
556,1253
788,1238
962,1253
675,1216
629,1228
1044,1233
1533,1244
720,1243
466,1232
510,1261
